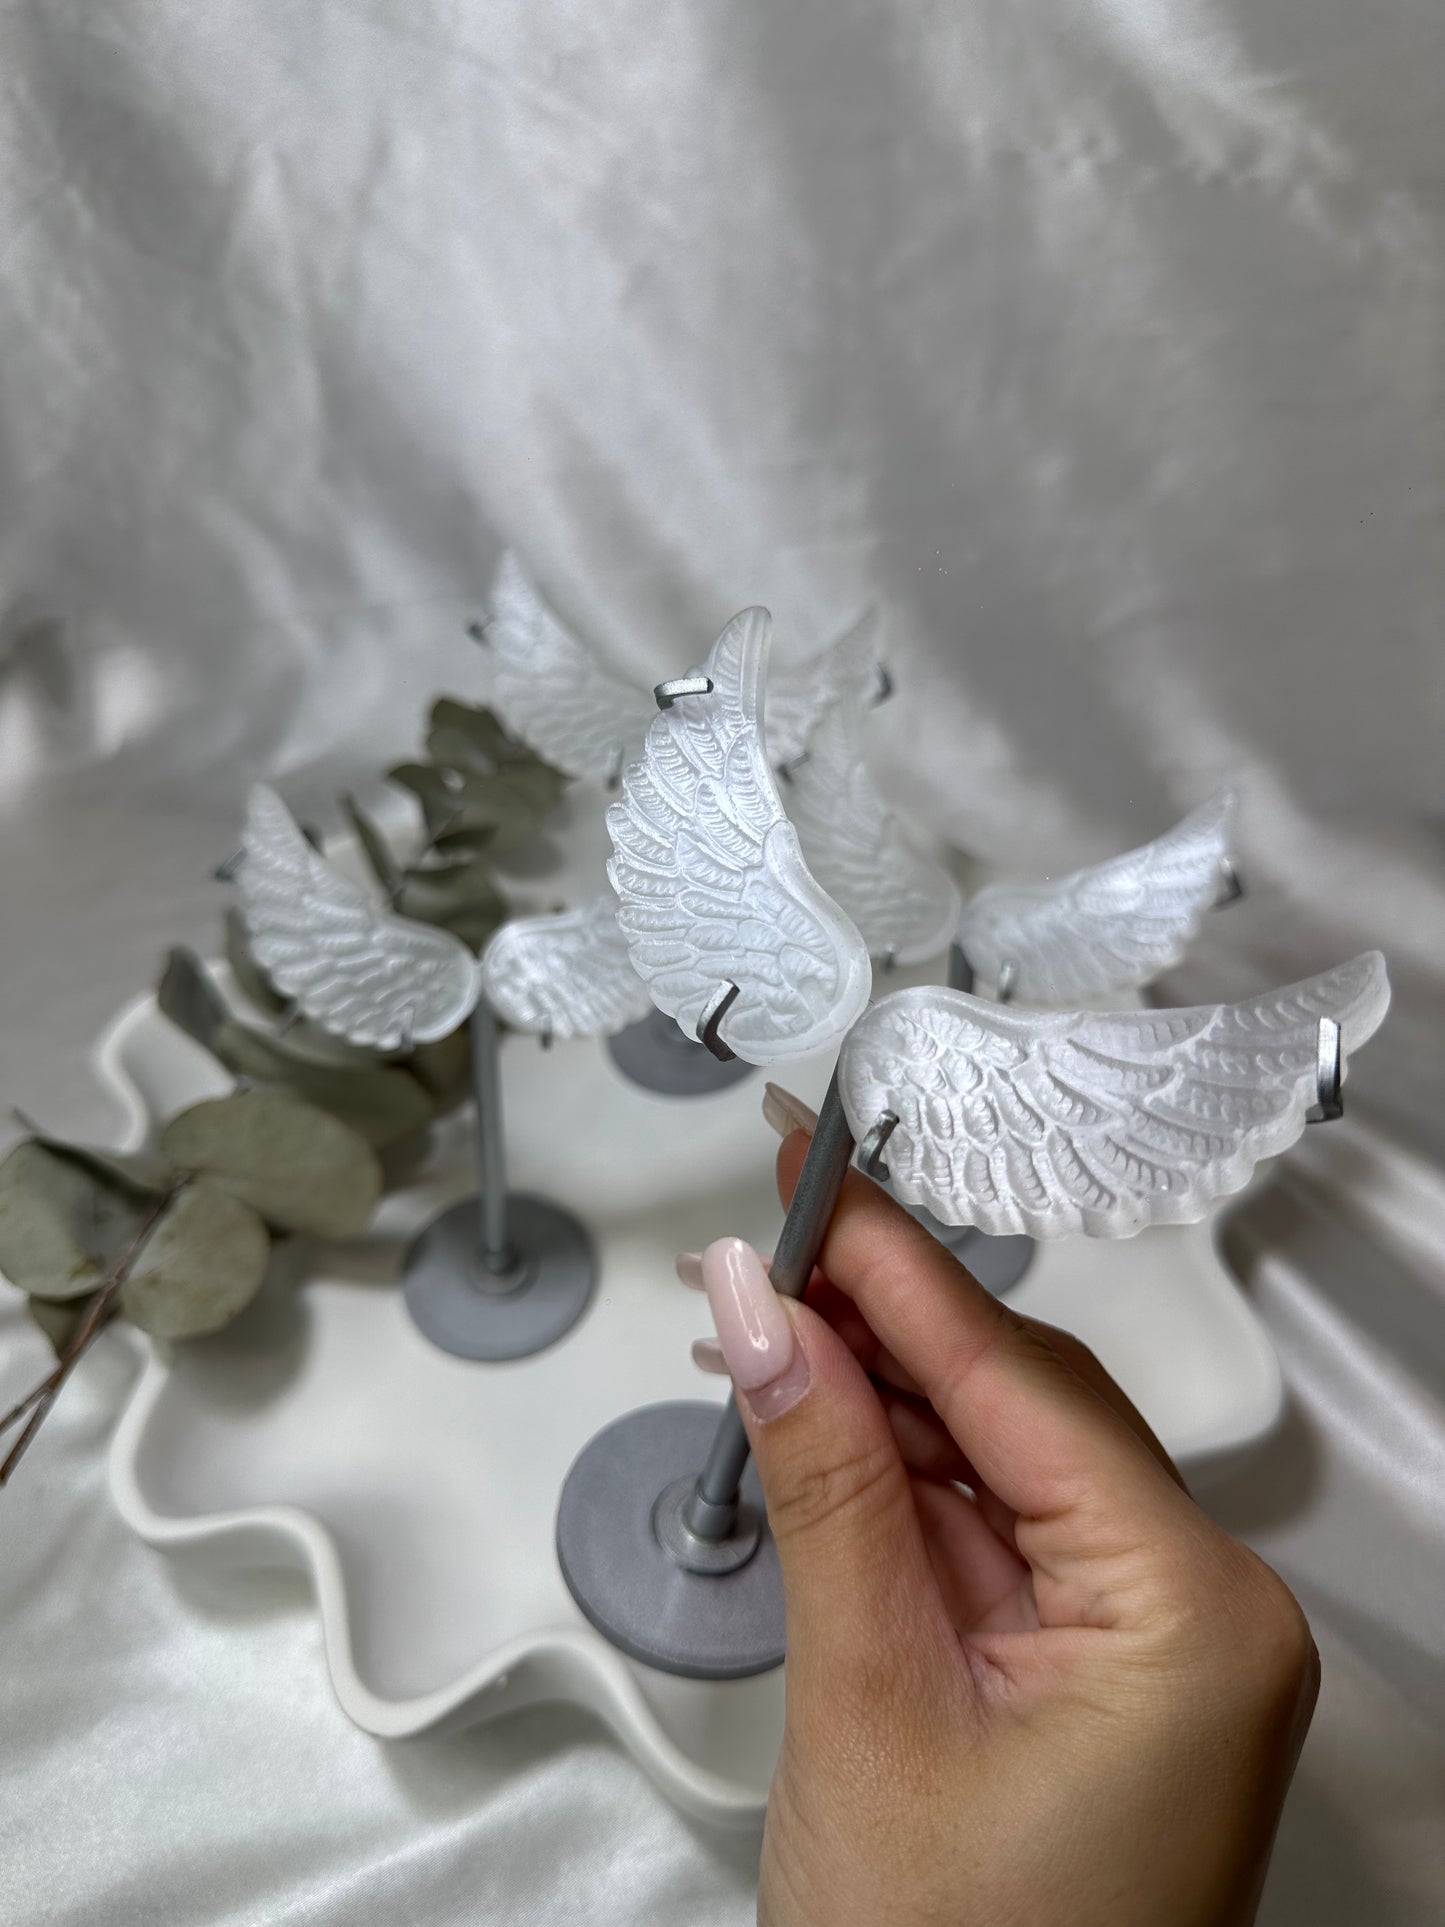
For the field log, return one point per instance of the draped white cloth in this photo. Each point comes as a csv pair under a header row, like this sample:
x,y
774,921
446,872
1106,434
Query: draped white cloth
x,y
1099,342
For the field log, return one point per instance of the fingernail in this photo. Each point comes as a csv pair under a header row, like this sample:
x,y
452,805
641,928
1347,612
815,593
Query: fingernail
x,y
707,1355
787,1113
688,1266
767,1365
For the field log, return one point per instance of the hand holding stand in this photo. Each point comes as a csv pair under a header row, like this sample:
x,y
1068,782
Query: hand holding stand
x,y
682,1572
501,1275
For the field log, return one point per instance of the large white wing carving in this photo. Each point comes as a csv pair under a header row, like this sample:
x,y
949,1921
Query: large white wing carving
x,y
354,968
1049,1122
552,692
712,883
797,698
1105,929
905,905
566,976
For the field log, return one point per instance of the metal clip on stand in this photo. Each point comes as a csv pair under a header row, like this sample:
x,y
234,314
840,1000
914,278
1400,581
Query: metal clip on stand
x,y
1329,1101
677,1566
501,1275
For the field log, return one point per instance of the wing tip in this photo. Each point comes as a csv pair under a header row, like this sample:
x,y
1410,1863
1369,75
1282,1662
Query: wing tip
x,y
737,661
1366,1008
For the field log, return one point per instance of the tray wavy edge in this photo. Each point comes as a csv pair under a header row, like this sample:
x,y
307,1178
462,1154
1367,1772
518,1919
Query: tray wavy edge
x,y
572,1666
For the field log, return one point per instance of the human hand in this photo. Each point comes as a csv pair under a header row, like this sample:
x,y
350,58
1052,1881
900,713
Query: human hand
x,y
1068,1700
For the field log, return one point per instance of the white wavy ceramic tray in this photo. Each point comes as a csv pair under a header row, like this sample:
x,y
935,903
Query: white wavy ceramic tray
x,y
322,1431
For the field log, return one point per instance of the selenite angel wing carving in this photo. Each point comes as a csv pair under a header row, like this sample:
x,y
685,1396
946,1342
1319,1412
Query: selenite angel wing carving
x,y
905,905
712,885
552,692
1108,928
354,968
1049,1122
567,975
797,698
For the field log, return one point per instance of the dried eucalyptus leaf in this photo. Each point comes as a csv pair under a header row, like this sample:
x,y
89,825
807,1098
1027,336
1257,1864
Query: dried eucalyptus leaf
x,y
447,889
255,985
383,1103
137,1172
301,1168
58,1318
202,1264
377,850
519,789
508,802
460,897
444,1069
460,737
465,846
61,1227
187,996
441,804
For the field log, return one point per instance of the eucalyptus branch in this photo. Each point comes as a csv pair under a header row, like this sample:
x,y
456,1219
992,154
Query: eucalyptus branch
x,y
98,1311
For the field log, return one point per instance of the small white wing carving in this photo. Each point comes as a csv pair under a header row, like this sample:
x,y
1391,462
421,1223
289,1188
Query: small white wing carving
x,y
567,975
552,692
797,698
712,882
905,905
1109,928
354,968
1049,1122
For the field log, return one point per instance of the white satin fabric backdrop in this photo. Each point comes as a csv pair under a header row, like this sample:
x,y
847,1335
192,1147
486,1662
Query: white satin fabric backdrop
x,y
1100,341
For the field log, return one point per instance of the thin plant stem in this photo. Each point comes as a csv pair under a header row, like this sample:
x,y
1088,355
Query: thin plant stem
x,y
98,1311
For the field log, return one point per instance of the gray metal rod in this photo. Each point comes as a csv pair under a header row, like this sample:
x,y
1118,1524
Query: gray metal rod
x,y
713,1506
960,970
496,1251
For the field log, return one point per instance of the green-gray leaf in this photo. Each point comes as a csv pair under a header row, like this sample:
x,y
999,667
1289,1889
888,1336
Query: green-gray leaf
x,y
61,1227
251,978
452,890
472,927
137,1172
384,1103
59,1319
460,737
301,1168
444,1069
441,805
506,805
202,1264
377,850
187,996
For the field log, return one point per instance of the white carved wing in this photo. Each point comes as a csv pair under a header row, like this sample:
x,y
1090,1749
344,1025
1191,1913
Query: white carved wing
x,y
354,968
552,692
1105,929
797,698
905,905
1048,1122
566,976
712,884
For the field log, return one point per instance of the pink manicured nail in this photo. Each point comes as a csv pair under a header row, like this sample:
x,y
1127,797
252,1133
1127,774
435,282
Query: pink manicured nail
x,y
688,1266
707,1355
787,1113
767,1365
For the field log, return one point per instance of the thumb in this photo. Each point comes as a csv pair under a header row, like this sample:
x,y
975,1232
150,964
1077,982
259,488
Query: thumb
x,y
856,1571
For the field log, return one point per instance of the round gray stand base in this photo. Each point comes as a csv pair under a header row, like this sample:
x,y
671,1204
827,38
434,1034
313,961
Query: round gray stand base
x,y
656,1055
705,1625
997,1263
467,1310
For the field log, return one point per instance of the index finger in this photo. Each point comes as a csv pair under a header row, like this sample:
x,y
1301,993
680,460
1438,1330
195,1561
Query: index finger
x,y
1044,1441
